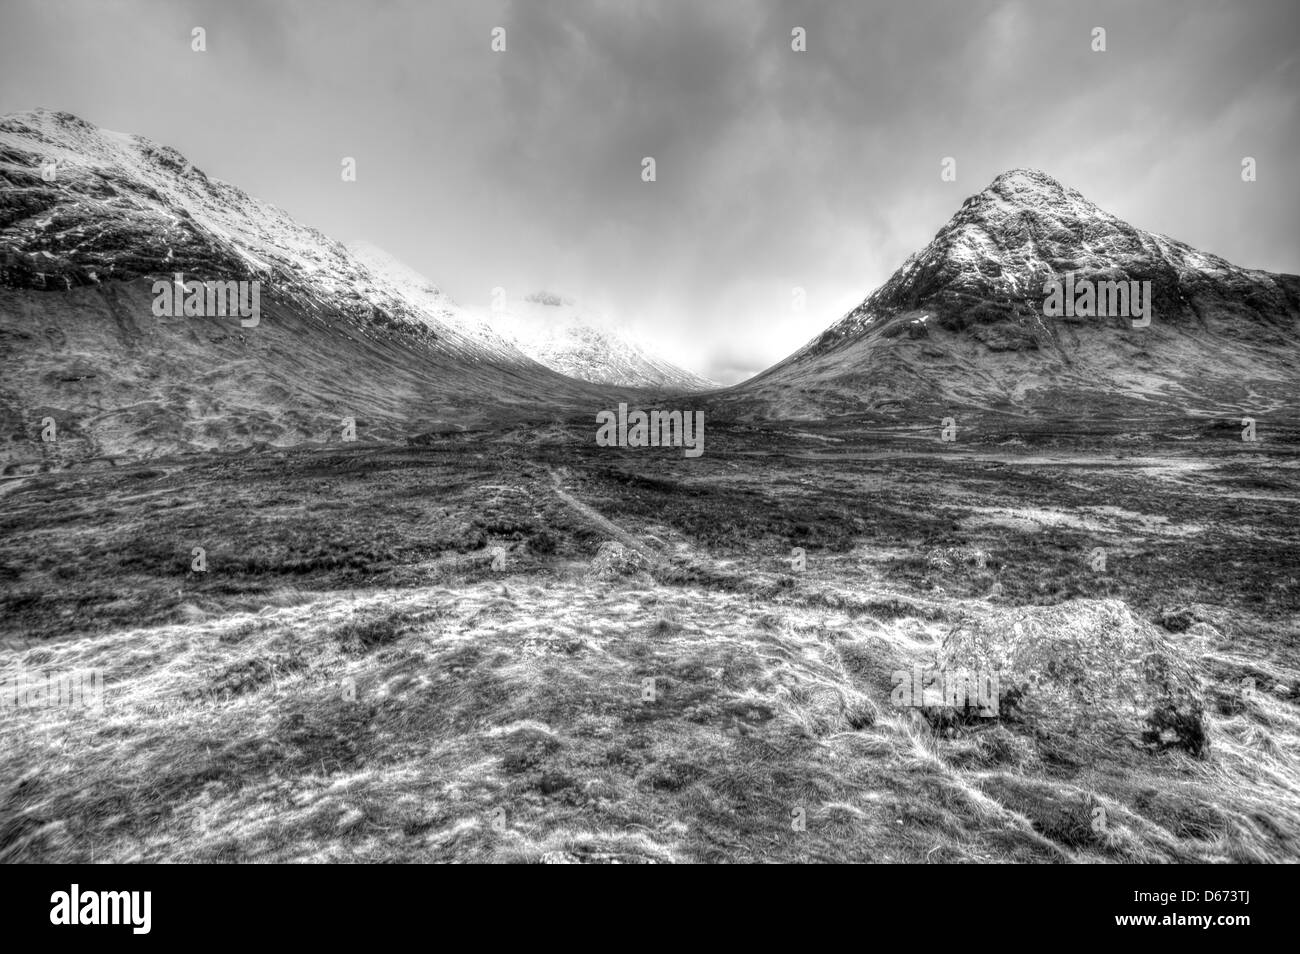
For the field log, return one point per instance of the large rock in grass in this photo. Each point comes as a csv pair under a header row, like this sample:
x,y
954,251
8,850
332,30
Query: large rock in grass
x,y
613,559
1086,670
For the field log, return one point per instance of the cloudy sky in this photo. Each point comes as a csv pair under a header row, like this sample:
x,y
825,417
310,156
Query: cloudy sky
x,y
775,169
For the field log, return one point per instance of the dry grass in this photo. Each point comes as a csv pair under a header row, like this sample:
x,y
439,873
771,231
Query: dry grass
x,y
582,708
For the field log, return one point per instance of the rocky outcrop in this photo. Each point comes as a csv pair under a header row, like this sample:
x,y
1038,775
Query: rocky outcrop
x,y
1088,672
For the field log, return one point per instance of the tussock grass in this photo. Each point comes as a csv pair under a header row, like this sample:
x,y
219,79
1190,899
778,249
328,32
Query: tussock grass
x,y
698,701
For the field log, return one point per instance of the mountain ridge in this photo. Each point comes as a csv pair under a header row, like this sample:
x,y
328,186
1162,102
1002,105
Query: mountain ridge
x,y
961,323
81,247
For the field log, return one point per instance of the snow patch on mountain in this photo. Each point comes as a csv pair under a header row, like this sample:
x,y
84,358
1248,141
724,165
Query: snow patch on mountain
x,y
578,340
391,278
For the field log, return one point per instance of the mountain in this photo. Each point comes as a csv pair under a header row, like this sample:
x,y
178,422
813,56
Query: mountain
x,y
393,280
962,326
90,219
573,339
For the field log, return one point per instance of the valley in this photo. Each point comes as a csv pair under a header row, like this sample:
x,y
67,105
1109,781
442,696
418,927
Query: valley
x,y
377,578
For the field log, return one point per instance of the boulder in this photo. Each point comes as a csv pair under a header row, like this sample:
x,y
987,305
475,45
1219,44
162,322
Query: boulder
x,y
614,559
1086,670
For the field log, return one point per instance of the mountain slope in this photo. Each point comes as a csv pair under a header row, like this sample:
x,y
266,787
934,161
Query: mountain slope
x,y
79,251
571,339
961,325
393,280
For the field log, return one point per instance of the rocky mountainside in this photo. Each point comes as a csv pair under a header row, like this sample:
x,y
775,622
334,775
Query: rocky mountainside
x,y
962,325
570,338
89,219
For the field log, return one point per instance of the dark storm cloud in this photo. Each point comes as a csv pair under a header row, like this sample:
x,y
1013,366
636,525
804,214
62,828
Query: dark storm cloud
x,y
775,169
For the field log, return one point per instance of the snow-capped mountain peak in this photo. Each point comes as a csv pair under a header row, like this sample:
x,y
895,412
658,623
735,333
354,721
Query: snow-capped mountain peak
x,y
963,321
579,340
91,220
